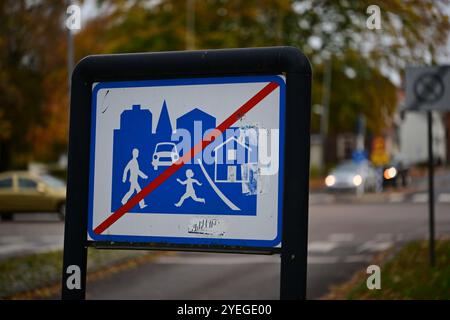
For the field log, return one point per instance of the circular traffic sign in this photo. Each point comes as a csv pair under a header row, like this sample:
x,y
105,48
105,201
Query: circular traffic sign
x,y
429,88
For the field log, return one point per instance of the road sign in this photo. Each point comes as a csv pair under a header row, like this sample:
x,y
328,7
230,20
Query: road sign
x,y
152,179
427,88
379,155
196,150
359,156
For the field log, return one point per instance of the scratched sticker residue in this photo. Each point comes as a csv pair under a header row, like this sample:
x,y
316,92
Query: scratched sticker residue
x,y
207,226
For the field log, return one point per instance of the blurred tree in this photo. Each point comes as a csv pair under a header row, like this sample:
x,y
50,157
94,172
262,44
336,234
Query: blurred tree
x,y
357,89
411,30
31,34
364,60
33,53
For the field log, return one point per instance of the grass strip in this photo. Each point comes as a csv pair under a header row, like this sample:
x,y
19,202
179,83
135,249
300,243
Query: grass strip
x,y
405,275
39,275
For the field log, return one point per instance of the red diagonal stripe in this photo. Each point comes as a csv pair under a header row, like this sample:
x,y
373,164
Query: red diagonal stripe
x,y
239,113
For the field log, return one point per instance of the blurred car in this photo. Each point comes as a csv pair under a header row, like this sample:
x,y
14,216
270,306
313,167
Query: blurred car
x,y
22,191
358,177
165,154
396,174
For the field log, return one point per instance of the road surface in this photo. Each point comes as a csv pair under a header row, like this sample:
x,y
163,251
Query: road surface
x,y
343,239
344,234
30,233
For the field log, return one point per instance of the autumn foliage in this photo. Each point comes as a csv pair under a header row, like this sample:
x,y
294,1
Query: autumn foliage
x,y
33,53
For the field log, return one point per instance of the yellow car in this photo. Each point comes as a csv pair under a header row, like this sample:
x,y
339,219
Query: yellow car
x,y
22,191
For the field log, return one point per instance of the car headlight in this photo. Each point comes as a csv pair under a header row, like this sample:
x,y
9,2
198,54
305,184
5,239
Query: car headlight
x,y
330,180
155,157
357,180
390,173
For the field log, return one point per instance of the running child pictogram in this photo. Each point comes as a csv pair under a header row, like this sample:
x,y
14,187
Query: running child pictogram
x,y
190,191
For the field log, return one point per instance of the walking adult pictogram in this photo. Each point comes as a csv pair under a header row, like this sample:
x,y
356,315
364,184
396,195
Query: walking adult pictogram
x,y
135,173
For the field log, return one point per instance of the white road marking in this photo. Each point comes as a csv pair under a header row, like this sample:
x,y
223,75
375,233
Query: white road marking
x,y
341,237
444,198
322,259
374,246
420,198
396,197
321,246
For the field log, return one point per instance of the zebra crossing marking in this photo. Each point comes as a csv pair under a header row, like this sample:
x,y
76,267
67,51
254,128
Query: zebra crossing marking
x,y
396,197
444,198
420,198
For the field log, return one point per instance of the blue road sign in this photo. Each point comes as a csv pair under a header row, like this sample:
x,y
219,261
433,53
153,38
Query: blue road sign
x,y
194,161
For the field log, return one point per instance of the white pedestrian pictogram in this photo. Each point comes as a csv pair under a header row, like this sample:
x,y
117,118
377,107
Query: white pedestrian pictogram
x,y
135,173
190,191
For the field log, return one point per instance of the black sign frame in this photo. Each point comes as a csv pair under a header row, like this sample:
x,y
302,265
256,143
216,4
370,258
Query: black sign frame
x,y
205,63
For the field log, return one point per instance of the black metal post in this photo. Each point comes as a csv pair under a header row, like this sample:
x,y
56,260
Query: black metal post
x,y
75,232
295,212
431,188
